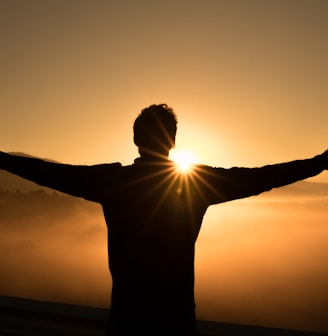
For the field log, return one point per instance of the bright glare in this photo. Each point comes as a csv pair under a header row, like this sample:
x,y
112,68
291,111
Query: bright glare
x,y
183,158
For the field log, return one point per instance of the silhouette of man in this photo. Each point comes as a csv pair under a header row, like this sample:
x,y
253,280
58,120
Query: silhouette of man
x,y
153,214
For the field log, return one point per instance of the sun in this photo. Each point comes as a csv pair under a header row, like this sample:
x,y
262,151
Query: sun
x,y
184,158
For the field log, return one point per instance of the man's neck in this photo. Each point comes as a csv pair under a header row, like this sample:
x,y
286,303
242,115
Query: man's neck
x,y
147,155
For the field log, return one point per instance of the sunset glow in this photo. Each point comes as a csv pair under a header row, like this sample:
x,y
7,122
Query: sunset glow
x,y
248,83
183,158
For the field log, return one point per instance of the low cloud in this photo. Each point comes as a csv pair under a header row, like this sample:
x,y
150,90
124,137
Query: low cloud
x,y
262,261
259,261
55,251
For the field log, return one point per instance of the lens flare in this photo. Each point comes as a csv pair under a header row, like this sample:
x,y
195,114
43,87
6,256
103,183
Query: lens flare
x,y
183,158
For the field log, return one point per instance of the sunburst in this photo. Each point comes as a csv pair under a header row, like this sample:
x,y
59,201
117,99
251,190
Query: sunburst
x,y
184,159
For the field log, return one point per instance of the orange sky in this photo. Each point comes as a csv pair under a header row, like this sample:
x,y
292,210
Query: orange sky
x,y
248,79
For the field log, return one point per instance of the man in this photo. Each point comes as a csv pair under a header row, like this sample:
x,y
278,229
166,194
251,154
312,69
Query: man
x,y
153,214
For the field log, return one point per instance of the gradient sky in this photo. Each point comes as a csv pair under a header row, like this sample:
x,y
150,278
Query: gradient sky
x,y
247,79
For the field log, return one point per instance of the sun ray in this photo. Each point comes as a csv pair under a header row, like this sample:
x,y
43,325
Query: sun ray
x,y
184,159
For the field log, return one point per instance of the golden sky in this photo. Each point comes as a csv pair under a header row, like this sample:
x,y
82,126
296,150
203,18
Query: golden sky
x,y
247,79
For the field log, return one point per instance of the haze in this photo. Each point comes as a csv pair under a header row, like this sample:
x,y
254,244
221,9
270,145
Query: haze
x,y
259,261
248,81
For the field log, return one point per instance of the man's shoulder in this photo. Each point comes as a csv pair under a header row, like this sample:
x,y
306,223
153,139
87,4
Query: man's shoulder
x,y
106,168
206,168
113,165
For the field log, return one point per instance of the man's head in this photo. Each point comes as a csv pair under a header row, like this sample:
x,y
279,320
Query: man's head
x,y
155,129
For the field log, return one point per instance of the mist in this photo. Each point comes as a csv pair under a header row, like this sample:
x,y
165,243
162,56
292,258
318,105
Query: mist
x,y
262,261
259,261
53,248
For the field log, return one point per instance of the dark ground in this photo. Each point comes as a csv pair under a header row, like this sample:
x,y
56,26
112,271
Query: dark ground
x,y
24,317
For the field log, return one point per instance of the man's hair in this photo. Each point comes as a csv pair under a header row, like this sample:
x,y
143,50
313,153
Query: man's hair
x,y
155,128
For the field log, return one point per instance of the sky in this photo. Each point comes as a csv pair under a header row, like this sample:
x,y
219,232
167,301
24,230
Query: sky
x,y
248,80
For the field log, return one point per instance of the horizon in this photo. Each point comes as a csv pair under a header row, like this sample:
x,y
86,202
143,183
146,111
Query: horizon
x,y
248,82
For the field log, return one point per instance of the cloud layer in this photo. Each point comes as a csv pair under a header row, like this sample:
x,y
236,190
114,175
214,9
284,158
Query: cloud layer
x,y
259,261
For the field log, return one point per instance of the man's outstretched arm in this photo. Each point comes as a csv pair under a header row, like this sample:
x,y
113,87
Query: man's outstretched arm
x,y
234,183
81,181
